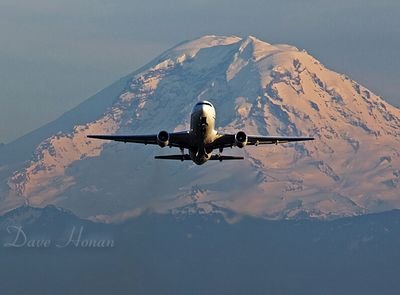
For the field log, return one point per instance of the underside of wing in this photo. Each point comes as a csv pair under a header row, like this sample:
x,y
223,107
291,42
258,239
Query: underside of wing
x,y
175,139
256,139
145,139
230,140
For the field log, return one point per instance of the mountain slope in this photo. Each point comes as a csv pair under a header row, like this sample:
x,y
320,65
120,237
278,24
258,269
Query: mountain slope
x,y
352,168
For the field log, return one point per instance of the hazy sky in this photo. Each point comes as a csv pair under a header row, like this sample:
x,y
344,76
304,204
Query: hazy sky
x,y
56,53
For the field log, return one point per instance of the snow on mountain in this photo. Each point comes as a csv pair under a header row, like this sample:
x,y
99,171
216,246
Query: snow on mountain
x,y
353,166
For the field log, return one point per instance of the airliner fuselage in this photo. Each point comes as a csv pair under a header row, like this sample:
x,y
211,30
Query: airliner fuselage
x,y
202,128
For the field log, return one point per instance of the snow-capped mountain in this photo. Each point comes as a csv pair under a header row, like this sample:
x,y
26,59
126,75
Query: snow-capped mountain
x,y
27,216
353,166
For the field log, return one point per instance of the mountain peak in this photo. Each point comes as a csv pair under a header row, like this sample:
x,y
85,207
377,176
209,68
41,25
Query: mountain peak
x,y
189,49
257,87
256,42
26,215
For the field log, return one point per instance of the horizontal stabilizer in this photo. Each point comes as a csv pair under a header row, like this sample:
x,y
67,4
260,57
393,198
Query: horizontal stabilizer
x,y
187,157
223,158
174,157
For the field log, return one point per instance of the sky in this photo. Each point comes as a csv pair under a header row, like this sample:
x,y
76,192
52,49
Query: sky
x,y
54,54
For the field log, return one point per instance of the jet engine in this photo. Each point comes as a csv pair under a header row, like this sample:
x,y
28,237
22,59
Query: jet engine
x,y
240,139
163,138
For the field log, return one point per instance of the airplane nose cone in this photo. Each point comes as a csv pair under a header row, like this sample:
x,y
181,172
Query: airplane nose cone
x,y
203,109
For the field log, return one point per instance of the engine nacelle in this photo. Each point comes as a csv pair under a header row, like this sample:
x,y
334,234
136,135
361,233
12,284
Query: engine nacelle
x,y
240,139
163,138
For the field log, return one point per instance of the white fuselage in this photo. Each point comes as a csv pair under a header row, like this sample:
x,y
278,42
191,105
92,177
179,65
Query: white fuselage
x,y
202,128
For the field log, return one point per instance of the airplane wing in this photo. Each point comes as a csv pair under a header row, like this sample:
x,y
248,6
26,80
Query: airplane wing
x,y
228,140
176,139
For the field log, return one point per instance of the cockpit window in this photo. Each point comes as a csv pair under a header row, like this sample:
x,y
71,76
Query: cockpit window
x,y
204,102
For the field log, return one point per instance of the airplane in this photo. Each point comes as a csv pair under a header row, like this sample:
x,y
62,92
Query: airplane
x,y
201,139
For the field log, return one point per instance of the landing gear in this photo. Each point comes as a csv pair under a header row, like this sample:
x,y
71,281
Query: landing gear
x,y
182,154
221,149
